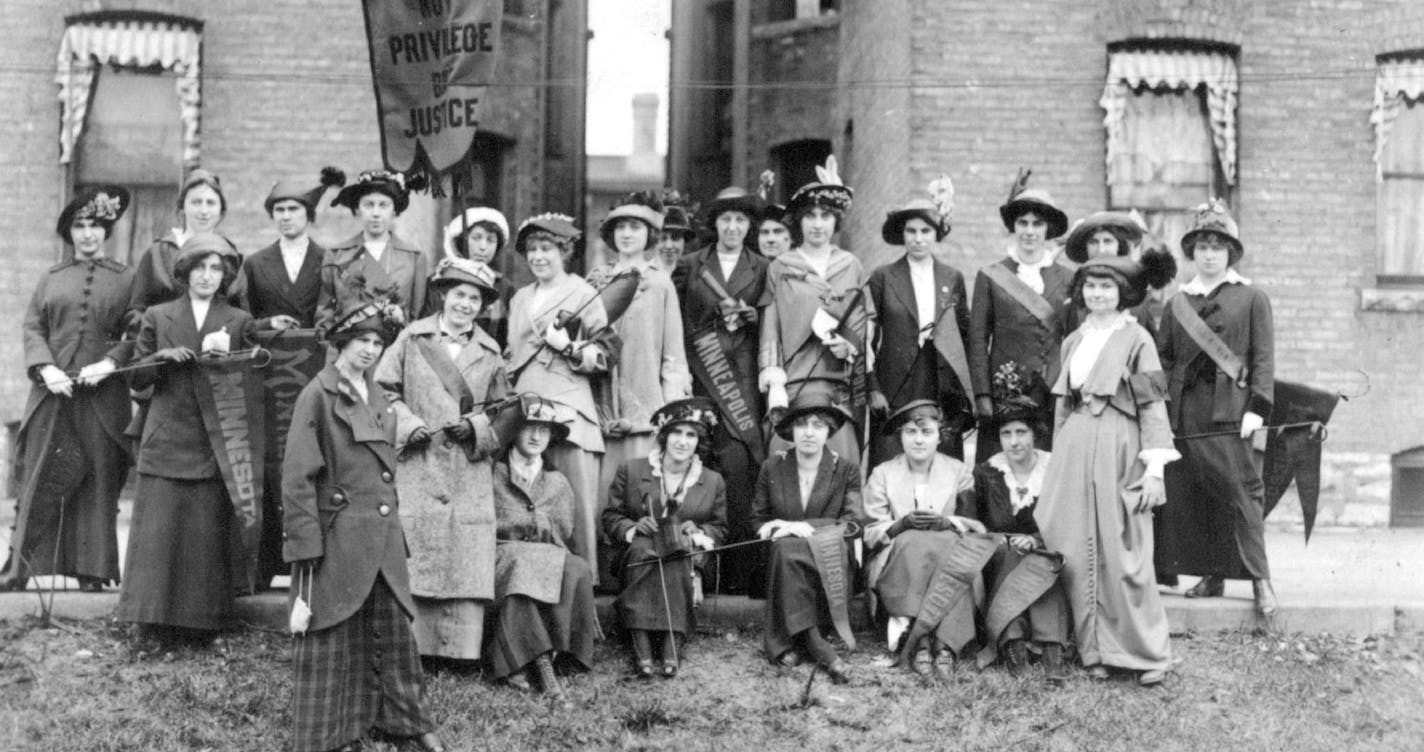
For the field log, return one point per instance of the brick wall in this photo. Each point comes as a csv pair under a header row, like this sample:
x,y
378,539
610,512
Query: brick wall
x,y
286,90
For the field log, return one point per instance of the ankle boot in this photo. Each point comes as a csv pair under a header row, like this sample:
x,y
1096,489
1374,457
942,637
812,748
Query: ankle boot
x,y
642,653
672,654
548,681
1054,669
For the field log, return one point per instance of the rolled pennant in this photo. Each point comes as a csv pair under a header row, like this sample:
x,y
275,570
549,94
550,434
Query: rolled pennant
x,y
618,294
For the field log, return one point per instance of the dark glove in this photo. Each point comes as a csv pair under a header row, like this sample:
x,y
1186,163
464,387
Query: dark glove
x,y
419,438
879,406
899,526
460,431
647,526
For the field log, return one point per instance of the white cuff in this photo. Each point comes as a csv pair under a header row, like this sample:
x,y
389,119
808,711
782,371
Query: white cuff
x,y
1157,459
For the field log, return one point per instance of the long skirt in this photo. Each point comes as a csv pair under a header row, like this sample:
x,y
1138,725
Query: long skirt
x,y
795,599
902,582
1045,620
655,597
67,511
361,674
581,468
1213,522
449,627
1118,618
184,556
741,570
522,629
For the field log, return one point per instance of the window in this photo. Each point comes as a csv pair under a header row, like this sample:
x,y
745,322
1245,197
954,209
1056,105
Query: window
x,y
1398,118
1171,132
787,10
130,103
795,165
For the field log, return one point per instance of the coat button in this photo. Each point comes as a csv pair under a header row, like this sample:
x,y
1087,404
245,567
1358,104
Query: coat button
x,y
337,497
386,476
384,510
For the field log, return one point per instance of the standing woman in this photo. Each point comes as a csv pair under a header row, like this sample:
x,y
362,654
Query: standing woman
x,y
201,207
650,367
817,317
773,235
922,328
438,376
808,505
1217,344
914,507
355,662
71,440
376,256
1105,475
479,235
718,287
558,339
543,607
185,560
677,235
668,503
1105,233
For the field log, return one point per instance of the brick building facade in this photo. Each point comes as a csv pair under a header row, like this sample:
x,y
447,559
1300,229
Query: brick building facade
x,y
902,90
285,89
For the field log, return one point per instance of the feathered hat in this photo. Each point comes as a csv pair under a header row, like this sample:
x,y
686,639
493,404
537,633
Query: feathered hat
x,y
1155,270
1023,200
365,308
1213,216
302,192
935,211
393,184
104,204
826,191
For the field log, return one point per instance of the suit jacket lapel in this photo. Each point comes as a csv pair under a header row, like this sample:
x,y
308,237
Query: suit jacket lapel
x,y
902,287
185,327
821,489
743,275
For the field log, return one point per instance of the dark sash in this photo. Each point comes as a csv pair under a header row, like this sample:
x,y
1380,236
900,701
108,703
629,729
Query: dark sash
x,y
230,397
297,357
446,370
952,581
1020,292
828,549
60,467
950,345
714,372
1028,581
1201,333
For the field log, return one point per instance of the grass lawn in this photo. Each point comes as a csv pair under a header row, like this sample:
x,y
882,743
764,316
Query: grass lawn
x,y
83,688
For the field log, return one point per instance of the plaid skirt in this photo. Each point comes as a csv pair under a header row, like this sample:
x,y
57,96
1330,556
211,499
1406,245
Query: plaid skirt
x,y
361,674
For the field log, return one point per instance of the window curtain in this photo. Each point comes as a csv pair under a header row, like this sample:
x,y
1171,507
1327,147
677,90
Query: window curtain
x,y
1401,195
172,46
1164,158
1163,71
1397,83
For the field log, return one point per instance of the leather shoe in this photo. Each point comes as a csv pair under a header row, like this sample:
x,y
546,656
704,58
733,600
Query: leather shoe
x,y
1209,586
1054,669
431,743
1098,673
1265,596
1151,678
839,671
789,659
1016,655
644,668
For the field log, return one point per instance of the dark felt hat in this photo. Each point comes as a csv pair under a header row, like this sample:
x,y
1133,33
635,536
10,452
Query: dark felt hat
x,y
913,411
392,184
1214,217
1120,223
698,411
1155,269
303,192
893,230
817,402
733,198
104,204
1040,203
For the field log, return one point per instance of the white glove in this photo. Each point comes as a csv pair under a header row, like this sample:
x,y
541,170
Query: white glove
x,y
94,373
1249,423
557,339
702,541
769,529
795,529
841,348
56,381
217,342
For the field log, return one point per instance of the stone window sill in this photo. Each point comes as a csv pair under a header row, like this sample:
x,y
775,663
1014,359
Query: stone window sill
x,y
1392,299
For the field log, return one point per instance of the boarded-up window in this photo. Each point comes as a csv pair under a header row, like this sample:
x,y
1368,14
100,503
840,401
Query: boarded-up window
x,y
1398,118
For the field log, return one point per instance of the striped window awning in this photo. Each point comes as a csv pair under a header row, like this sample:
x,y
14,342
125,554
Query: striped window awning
x,y
173,45
1399,81
1175,69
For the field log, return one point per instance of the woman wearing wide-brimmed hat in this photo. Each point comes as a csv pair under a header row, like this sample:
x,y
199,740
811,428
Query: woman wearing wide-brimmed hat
x,y
439,376
201,208
1020,302
185,560
808,504
667,505
558,339
355,663
75,456
1030,613
375,256
719,288
543,616
817,317
1217,345
650,367
479,234
922,324
914,517
1105,474
1105,233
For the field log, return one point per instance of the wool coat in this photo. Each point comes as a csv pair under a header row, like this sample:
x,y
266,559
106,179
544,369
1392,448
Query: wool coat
x,y
402,265
153,281
449,512
1001,330
267,291
339,500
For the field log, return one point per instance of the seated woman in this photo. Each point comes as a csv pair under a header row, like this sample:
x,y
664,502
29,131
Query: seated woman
x,y
911,504
1032,607
1106,477
543,597
664,507
807,503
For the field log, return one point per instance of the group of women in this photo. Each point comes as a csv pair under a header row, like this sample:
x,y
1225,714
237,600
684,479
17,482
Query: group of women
x,y
453,473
